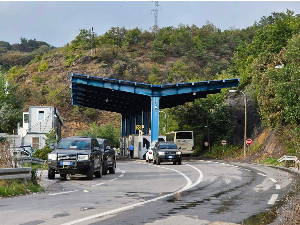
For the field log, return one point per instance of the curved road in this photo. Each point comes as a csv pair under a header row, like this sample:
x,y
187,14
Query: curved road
x,y
197,192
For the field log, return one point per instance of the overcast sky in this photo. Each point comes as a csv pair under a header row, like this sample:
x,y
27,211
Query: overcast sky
x,y
57,23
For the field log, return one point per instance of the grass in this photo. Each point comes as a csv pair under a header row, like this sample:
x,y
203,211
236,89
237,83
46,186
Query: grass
x,y
270,161
17,187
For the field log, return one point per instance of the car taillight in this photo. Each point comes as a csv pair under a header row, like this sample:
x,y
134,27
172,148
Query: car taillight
x,y
150,152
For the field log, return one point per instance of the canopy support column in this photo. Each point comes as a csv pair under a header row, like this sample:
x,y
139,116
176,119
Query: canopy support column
x,y
154,118
123,125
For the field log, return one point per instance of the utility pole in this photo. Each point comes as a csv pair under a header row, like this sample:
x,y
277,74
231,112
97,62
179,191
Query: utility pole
x,y
155,27
93,41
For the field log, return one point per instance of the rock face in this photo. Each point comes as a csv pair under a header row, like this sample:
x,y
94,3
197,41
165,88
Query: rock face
x,y
237,110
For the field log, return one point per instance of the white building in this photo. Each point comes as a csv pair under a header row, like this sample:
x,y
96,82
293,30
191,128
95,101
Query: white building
x,y
38,122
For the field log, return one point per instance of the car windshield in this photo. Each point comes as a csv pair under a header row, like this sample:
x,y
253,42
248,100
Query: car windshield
x,y
169,146
74,144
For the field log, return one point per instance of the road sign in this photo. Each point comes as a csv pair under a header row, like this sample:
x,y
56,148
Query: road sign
x,y
138,127
249,141
206,143
223,142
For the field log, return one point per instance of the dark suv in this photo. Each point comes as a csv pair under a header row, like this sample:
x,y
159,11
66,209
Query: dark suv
x,y
166,152
109,157
76,155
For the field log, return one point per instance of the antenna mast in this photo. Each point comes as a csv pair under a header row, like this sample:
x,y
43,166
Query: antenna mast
x,y
155,27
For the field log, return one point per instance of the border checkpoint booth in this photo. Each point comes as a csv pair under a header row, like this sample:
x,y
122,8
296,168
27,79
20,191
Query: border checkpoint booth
x,y
137,102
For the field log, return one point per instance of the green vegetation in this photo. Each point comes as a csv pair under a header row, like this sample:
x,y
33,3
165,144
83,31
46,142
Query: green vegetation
x,y
17,187
108,132
175,54
270,161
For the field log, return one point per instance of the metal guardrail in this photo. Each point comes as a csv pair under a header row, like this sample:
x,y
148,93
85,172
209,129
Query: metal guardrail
x,y
28,159
290,158
15,173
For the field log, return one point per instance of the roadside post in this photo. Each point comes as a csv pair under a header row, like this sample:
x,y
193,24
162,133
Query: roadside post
x,y
223,143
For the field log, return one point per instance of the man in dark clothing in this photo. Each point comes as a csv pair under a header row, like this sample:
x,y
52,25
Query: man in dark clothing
x,y
131,148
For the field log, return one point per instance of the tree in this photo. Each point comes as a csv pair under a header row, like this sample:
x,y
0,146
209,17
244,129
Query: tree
x,y
11,104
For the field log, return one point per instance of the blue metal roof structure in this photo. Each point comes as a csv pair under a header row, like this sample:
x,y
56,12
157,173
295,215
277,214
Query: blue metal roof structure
x,y
135,100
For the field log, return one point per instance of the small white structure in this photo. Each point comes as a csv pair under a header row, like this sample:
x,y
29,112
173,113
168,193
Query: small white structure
x,y
38,122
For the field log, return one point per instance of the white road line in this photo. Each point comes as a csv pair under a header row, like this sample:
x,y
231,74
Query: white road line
x,y
123,171
121,175
273,199
113,179
262,174
208,161
61,193
187,186
201,160
247,169
277,186
272,179
97,184
216,162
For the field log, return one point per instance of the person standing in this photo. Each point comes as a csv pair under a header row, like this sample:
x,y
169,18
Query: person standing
x,y
131,148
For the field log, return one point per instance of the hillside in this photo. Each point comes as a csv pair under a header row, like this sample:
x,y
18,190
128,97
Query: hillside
x,y
182,54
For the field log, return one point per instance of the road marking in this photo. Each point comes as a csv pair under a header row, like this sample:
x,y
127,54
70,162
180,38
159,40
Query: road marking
x,y
113,179
208,161
262,174
123,171
186,187
201,160
216,162
277,186
97,184
273,199
61,193
272,179
248,170
121,175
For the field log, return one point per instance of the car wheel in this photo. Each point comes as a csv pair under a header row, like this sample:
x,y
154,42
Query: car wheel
x,y
51,174
174,163
98,174
105,167
90,172
158,161
179,162
154,162
147,160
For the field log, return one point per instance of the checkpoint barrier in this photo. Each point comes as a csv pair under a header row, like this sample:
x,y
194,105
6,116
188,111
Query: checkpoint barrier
x,y
15,173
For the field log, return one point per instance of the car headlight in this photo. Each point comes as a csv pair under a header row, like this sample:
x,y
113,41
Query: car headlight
x,y
161,153
52,157
178,153
83,157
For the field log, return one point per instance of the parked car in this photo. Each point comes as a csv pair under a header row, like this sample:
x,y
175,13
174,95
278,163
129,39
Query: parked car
x,y
149,154
76,155
166,152
109,157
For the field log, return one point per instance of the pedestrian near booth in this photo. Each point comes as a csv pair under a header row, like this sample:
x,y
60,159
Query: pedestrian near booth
x,y
131,148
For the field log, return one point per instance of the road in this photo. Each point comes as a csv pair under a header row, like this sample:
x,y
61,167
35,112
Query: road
x,y
197,192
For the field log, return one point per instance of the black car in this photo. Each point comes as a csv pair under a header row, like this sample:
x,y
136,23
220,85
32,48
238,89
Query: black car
x,y
76,155
166,152
109,157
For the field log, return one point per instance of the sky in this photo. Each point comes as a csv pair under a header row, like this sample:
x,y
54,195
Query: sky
x,y
58,23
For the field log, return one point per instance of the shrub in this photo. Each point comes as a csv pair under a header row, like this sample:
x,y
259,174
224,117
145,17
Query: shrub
x,y
42,153
43,67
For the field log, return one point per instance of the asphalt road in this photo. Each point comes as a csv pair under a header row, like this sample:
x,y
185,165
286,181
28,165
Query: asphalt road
x,y
197,192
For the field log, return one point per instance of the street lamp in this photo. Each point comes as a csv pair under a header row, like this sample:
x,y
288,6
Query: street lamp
x,y
245,128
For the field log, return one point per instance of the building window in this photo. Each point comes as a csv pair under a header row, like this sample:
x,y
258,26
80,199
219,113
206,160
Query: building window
x,y
41,115
35,142
26,118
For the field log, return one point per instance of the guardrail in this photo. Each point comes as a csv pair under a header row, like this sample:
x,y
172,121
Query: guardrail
x,y
289,158
15,173
28,159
